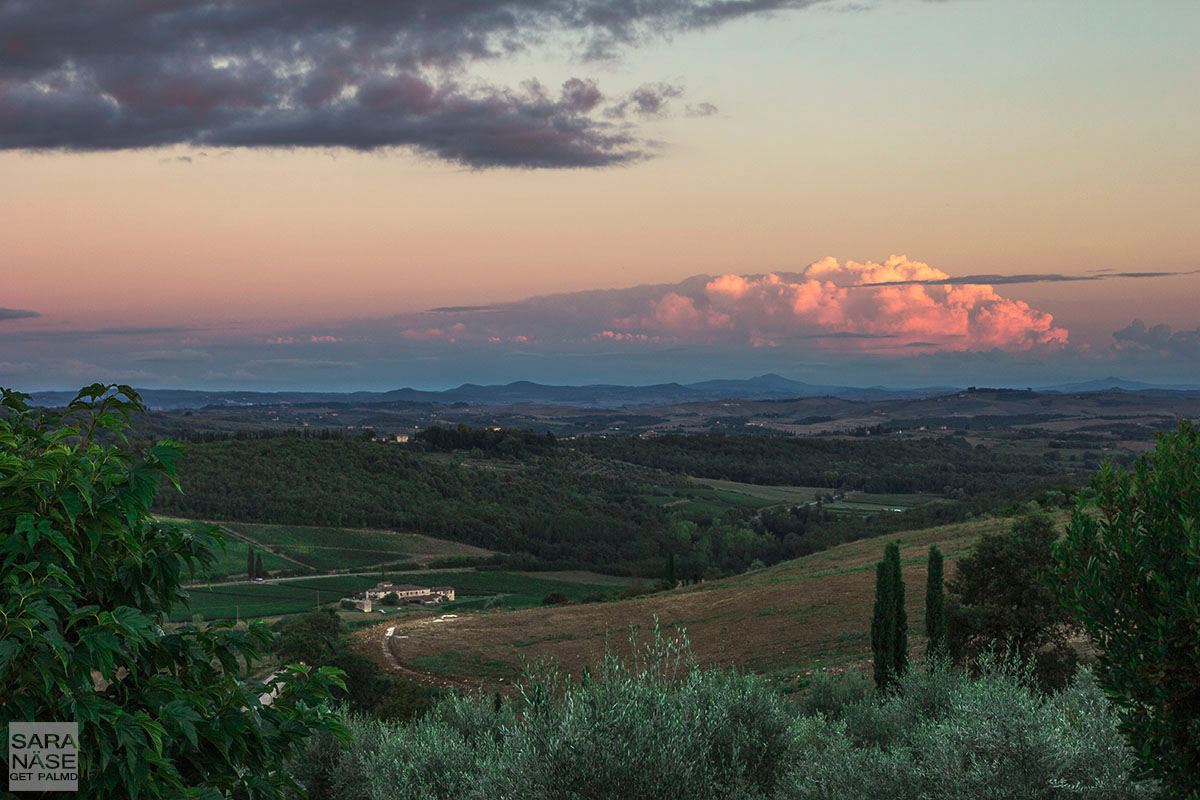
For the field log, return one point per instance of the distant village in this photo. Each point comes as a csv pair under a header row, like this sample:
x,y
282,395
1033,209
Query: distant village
x,y
396,594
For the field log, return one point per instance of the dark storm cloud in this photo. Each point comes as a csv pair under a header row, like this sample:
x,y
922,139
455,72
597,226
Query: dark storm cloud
x,y
16,313
1005,280
1160,338
314,73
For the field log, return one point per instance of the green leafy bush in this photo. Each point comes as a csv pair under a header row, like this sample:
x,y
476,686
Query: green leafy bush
x,y
87,579
319,639
999,597
1129,569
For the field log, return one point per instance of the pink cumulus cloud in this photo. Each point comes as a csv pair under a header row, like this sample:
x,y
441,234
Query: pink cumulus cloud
x,y
846,302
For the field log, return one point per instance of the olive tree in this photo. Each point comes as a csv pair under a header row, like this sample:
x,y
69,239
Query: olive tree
x,y
87,582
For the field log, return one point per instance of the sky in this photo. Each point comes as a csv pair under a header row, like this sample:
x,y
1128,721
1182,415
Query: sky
x,y
306,194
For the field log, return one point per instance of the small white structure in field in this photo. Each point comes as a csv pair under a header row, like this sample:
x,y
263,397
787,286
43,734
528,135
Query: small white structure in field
x,y
363,604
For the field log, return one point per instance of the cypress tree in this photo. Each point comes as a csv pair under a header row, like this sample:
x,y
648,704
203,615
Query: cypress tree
x,y
935,604
882,625
250,563
669,575
258,567
900,616
889,624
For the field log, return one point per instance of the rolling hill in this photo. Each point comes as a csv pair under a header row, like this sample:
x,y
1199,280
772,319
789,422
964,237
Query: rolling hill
x,y
783,621
763,387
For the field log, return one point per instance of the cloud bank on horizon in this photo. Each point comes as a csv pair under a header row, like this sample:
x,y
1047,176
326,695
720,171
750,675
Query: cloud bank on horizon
x,y
899,321
849,306
126,74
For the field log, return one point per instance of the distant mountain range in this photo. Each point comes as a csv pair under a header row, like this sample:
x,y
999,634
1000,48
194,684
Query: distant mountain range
x,y
1106,384
764,387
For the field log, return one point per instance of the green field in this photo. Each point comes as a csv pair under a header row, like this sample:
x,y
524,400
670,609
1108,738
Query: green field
x,y
704,502
868,503
707,498
232,560
792,495
328,549
293,596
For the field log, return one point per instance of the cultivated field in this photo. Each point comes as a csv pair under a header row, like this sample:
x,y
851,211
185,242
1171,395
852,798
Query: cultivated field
x,y
705,501
781,621
711,496
296,595
232,560
789,495
328,549
868,503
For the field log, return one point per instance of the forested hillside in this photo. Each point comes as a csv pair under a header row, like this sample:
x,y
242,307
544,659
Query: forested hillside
x,y
871,465
546,507
611,507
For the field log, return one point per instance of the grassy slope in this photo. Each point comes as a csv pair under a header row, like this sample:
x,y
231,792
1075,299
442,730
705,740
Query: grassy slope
x,y
782,621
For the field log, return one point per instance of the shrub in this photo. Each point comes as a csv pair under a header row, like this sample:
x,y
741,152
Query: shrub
x,y
87,581
830,695
649,726
943,734
1128,570
555,599
998,596
654,726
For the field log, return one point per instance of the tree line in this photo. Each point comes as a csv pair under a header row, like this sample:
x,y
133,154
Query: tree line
x,y
871,465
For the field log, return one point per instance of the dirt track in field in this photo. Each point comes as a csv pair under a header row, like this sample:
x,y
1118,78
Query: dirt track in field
x,y
785,620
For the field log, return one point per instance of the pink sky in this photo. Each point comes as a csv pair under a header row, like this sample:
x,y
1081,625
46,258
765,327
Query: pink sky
x,y
974,138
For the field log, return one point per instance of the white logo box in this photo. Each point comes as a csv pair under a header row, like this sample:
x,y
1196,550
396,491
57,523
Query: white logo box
x,y
43,756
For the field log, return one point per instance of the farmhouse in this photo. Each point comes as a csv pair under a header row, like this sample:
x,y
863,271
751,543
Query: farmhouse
x,y
408,593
